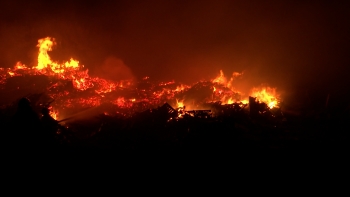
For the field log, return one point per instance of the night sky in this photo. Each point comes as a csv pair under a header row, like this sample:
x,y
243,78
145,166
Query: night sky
x,y
286,44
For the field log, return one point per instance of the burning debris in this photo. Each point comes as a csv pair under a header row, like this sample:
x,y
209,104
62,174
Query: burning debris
x,y
87,111
65,94
72,89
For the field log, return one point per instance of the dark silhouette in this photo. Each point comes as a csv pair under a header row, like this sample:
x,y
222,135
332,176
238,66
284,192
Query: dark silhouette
x,y
49,128
25,113
25,126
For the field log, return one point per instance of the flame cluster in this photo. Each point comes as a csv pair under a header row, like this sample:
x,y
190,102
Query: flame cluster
x,y
93,91
69,70
264,94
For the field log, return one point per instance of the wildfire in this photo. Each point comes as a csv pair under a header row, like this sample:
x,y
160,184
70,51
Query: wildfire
x,y
71,86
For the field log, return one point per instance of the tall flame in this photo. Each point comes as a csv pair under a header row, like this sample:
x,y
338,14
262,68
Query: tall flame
x,y
70,70
44,45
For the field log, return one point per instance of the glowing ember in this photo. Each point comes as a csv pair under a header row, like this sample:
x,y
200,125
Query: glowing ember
x,y
119,101
104,86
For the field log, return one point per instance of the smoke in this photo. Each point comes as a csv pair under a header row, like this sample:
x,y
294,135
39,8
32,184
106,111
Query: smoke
x,y
286,44
113,69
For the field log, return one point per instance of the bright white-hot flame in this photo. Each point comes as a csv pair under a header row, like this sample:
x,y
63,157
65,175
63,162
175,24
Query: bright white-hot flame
x,y
54,114
245,101
44,45
180,104
72,63
230,101
267,95
11,73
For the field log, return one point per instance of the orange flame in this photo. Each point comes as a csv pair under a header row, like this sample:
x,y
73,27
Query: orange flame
x,y
53,113
70,70
267,95
180,104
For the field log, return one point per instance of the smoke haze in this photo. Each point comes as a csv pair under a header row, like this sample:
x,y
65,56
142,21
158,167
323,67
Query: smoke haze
x,y
286,44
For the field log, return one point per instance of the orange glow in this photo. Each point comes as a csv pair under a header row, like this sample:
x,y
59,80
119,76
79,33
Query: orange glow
x,y
104,86
166,83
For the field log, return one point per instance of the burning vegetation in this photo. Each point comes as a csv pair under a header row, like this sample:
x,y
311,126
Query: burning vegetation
x,y
72,89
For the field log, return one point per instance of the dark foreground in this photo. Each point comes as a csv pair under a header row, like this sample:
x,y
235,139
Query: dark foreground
x,y
226,137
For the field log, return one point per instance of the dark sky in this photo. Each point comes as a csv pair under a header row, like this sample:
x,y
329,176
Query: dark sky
x,y
287,44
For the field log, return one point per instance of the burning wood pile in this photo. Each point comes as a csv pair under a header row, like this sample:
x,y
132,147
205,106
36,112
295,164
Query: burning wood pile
x,y
69,89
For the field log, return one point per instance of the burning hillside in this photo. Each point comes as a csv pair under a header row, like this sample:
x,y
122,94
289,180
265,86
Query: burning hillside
x,y
68,88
